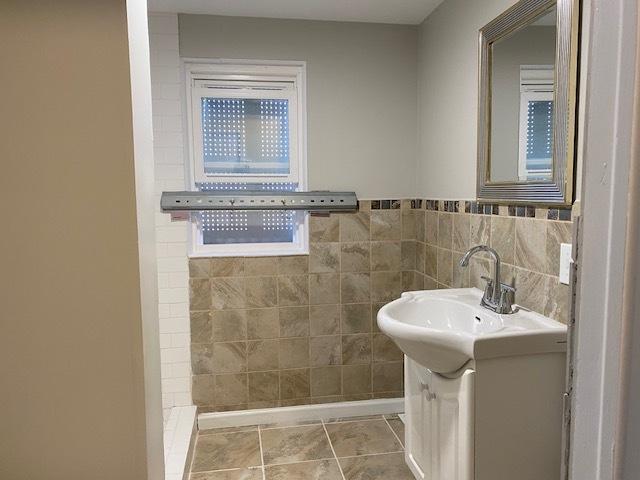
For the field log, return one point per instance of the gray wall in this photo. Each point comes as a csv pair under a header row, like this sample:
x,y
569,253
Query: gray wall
x,y
362,88
448,97
534,45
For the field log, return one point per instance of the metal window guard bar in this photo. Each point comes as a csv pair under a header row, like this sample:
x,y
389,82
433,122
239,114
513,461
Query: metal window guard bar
x,y
258,200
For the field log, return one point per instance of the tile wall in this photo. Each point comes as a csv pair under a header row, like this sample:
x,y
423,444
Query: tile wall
x,y
171,238
279,331
527,239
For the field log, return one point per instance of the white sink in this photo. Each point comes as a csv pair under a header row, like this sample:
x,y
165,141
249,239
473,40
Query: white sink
x,y
444,329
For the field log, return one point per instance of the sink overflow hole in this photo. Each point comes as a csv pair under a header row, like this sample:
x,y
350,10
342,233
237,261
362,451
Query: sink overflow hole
x,y
478,319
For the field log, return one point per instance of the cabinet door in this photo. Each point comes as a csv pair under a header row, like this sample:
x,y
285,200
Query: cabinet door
x,y
418,428
439,427
451,424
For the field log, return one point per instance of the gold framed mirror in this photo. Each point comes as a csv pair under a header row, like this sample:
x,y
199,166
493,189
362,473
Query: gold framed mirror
x,y
528,60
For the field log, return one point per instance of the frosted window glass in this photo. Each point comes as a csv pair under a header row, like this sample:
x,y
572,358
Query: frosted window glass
x,y
539,138
245,136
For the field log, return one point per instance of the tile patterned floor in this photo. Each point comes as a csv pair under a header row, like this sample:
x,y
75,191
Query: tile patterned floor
x,y
360,448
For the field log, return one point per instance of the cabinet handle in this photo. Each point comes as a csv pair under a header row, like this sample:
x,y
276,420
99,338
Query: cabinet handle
x,y
429,394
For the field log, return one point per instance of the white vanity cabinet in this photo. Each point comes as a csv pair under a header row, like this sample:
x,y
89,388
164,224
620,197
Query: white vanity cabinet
x,y
499,419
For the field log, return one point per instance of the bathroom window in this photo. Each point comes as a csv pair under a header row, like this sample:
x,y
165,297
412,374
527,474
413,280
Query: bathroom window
x,y
536,123
247,131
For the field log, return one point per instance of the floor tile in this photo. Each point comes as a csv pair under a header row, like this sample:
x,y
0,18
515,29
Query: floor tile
x,y
237,474
295,444
362,438
397,426
226,451
315,470
368,467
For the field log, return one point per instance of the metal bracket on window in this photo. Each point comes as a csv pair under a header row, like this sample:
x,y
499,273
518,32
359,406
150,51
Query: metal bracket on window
x,y
258,200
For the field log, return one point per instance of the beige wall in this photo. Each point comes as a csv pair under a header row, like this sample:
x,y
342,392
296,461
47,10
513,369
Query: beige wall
x,y
71,357
448,97
361,92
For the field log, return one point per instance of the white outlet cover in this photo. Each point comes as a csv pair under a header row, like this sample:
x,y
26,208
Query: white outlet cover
x,y
565,262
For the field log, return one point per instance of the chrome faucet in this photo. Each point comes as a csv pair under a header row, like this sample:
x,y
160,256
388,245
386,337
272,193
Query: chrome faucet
x,y
497,296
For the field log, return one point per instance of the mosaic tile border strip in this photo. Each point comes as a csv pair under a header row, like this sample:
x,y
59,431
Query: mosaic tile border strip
x,y
468,206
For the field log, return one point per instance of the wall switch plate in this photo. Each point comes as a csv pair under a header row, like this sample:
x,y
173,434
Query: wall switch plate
x,y
565,262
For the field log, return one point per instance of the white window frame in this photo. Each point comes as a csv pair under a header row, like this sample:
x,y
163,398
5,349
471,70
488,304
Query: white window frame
x,y
536,84
289,74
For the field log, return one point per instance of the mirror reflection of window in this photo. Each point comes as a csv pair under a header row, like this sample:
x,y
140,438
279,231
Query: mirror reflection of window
x,y
522,88
535,157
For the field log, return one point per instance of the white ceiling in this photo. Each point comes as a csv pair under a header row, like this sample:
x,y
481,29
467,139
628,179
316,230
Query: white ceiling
x,y
410,12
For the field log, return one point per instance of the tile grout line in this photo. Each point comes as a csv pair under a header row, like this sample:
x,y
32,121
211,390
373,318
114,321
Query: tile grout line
x,y
393,431
324,427
264,473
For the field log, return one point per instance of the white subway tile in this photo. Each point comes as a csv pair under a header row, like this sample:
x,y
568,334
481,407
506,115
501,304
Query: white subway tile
x,y
178,249
177,279
173,295
173,233
180,340
165,107
179,310
173,264
174,325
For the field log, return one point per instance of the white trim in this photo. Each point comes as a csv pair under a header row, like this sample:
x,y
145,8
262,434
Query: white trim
x,y
149,374
246,70
324,411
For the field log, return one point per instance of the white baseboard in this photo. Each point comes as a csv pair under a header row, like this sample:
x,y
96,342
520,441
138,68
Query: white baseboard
x,y
324,411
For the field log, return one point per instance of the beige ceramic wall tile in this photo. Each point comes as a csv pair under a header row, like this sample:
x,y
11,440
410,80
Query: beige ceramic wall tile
x,y
293,290
355,257
231,389
293,352
293,265
385,286
356,349
326,381
199,267
294,383
227,293
262,355
461,232
203,390
387,376
480,230
325,350
503,237
408,255
356,379
431,227
386,256
557,233
202,358
324,319
294,321
199,294
445,230
255,266
324,257
229,357
324,288
384,349
354,227
324,229
354,287
444,266
263,386
385,225
227,266
355,318
262,323
201,327
261,292
229,325
531,244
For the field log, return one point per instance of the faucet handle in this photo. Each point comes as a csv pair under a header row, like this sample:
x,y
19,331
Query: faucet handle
x,y
507,294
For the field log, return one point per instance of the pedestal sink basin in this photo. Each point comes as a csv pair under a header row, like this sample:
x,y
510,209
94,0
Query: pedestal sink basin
x,y
444,329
